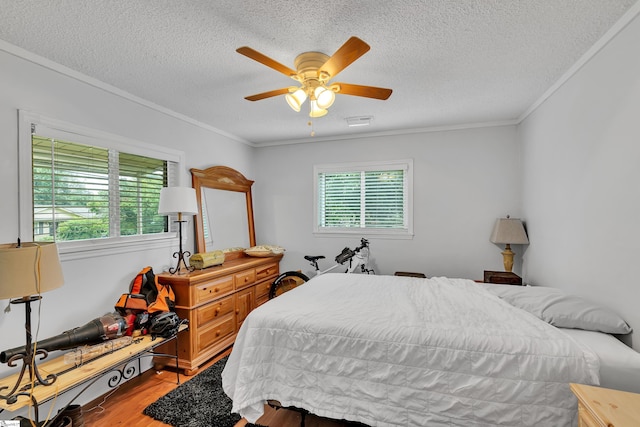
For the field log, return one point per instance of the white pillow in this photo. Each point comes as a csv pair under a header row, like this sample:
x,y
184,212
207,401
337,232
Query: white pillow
x,y
562,310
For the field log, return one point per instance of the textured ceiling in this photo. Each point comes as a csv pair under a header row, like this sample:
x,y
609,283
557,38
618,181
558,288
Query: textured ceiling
x,y
449,63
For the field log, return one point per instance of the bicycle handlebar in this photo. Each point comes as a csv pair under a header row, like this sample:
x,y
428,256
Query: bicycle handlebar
x,y
364,243
347,253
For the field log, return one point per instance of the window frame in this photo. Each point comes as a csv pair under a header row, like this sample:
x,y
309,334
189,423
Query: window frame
x,y
388,233
81,249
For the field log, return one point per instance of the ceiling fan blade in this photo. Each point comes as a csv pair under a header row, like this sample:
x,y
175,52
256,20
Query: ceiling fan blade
x,y
366,91
353,49
263,95
265,60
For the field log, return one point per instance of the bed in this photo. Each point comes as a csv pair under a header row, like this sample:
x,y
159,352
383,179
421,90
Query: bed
x,y
403,351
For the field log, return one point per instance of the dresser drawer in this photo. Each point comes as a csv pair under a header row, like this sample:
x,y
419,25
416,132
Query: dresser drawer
x,y
267,271
212,290
215,332
245,278
262,289
214,310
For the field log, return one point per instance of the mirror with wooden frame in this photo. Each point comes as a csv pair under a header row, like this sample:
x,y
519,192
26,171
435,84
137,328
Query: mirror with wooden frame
x,y
225,209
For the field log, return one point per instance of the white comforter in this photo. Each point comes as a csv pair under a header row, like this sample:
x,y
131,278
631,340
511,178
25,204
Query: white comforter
x,y
401,351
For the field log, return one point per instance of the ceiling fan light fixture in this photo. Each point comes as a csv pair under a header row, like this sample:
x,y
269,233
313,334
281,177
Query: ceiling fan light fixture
x,y
295,99
313,72
316,111
324,97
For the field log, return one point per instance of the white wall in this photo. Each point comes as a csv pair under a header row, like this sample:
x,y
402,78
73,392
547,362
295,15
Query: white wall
x,y
464,180
581,164
91,285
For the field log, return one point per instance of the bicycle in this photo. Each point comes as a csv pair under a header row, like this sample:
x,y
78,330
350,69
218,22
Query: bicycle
x,y
357,257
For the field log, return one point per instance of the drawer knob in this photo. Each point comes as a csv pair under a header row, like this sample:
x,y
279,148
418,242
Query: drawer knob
x,y
218,333
218,310
216,290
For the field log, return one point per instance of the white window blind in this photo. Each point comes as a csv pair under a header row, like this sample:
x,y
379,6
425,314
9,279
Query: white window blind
x,y
92,192
141,179
85,192
364,197
70,191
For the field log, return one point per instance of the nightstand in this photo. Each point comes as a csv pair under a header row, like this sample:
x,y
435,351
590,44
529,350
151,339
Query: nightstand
x,y
502,278
603,407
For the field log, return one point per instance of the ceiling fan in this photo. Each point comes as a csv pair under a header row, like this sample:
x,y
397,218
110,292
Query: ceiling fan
x,y
313,72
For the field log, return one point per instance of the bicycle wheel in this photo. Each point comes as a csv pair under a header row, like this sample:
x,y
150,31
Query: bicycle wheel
x,y
285,282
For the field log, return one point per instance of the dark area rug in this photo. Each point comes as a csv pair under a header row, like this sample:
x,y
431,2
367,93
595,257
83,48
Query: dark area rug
x,y
199,402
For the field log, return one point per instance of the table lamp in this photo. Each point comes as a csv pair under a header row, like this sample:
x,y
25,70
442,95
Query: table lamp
x,y
26,271
509,231
180,201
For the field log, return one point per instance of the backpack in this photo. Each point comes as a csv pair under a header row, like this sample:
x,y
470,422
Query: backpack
x,y
146,294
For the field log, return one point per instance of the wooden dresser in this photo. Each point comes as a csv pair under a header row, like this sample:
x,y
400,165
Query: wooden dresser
x,y
216,301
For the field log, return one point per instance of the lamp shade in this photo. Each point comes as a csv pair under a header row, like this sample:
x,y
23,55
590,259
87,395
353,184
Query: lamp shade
x,y
29,269
324,97
316,111
175,200
295,99
509,231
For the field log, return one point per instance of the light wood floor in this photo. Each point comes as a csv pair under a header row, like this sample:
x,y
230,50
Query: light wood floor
x,y
124,405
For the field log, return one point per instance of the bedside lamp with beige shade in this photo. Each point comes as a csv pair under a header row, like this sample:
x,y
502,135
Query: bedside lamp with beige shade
x,y
26,271
509,231
180,201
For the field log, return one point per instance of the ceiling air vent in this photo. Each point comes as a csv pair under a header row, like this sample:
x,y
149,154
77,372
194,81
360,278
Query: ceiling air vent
x,y
359,121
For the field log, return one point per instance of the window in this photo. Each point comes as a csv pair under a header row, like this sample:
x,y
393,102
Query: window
x,y
373,198
87,190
